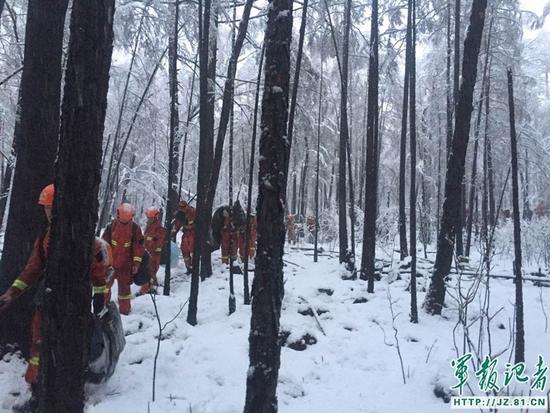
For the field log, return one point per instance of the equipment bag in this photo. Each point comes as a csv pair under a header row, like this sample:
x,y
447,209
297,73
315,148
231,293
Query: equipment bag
x,y
107,342
143,276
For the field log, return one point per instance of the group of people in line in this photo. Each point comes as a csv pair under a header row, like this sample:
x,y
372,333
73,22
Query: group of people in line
x,y
118,255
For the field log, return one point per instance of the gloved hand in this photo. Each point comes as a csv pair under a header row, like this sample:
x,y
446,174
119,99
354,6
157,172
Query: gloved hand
x,y
135,267
6,300
98,303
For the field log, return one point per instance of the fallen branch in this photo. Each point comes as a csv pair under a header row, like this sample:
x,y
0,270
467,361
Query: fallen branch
x,y
293,263
315,315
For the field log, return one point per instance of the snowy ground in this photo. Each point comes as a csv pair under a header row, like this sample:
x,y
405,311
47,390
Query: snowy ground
x,y
353,368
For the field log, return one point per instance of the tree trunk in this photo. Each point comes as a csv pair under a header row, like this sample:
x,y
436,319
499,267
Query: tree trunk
x,y
456,80
268,287
251,179
450,105
294,207
369,227
403,148
66,314
173,146
304,181
527,212
317,167
206,256
296,80
455,166
518,280
202,216
344,136
35,141
232,301
473,178
351,260
412,126
363,160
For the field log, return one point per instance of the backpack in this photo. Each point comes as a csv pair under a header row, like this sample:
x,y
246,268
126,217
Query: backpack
x,y
107,342
143,276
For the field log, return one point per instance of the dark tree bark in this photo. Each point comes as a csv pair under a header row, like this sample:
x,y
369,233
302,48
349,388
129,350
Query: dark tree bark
x,y
293,208
296,79
251,178
317,167
493,213
518,279
304,181
351,258
450,105
527,211
455,166
369,227
173,145
67,304
206,256
232,301
403,148
344,136
202,217
412,126
485,220
473,187
363,160
35,141
456,80
268,287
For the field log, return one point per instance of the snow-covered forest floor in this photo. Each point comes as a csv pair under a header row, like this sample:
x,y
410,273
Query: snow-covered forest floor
x,y
355,367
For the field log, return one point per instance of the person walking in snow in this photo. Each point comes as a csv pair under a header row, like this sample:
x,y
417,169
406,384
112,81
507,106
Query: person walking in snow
x,y
155,235
185,219
126,240
33,272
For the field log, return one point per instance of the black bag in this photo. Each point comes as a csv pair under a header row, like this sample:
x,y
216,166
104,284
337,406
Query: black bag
x,y
143,276
107,342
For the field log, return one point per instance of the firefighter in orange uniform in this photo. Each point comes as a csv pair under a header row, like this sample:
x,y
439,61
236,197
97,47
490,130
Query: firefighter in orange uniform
x,y
155,236
291,228
251,239
230,236
185,219
32,274
126,241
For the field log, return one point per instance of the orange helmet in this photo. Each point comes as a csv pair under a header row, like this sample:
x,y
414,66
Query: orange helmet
x,y
151,212
47,195
126,212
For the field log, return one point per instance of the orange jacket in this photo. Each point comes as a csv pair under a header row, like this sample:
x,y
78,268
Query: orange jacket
x,y
36,265
155,236
189,222
126,241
